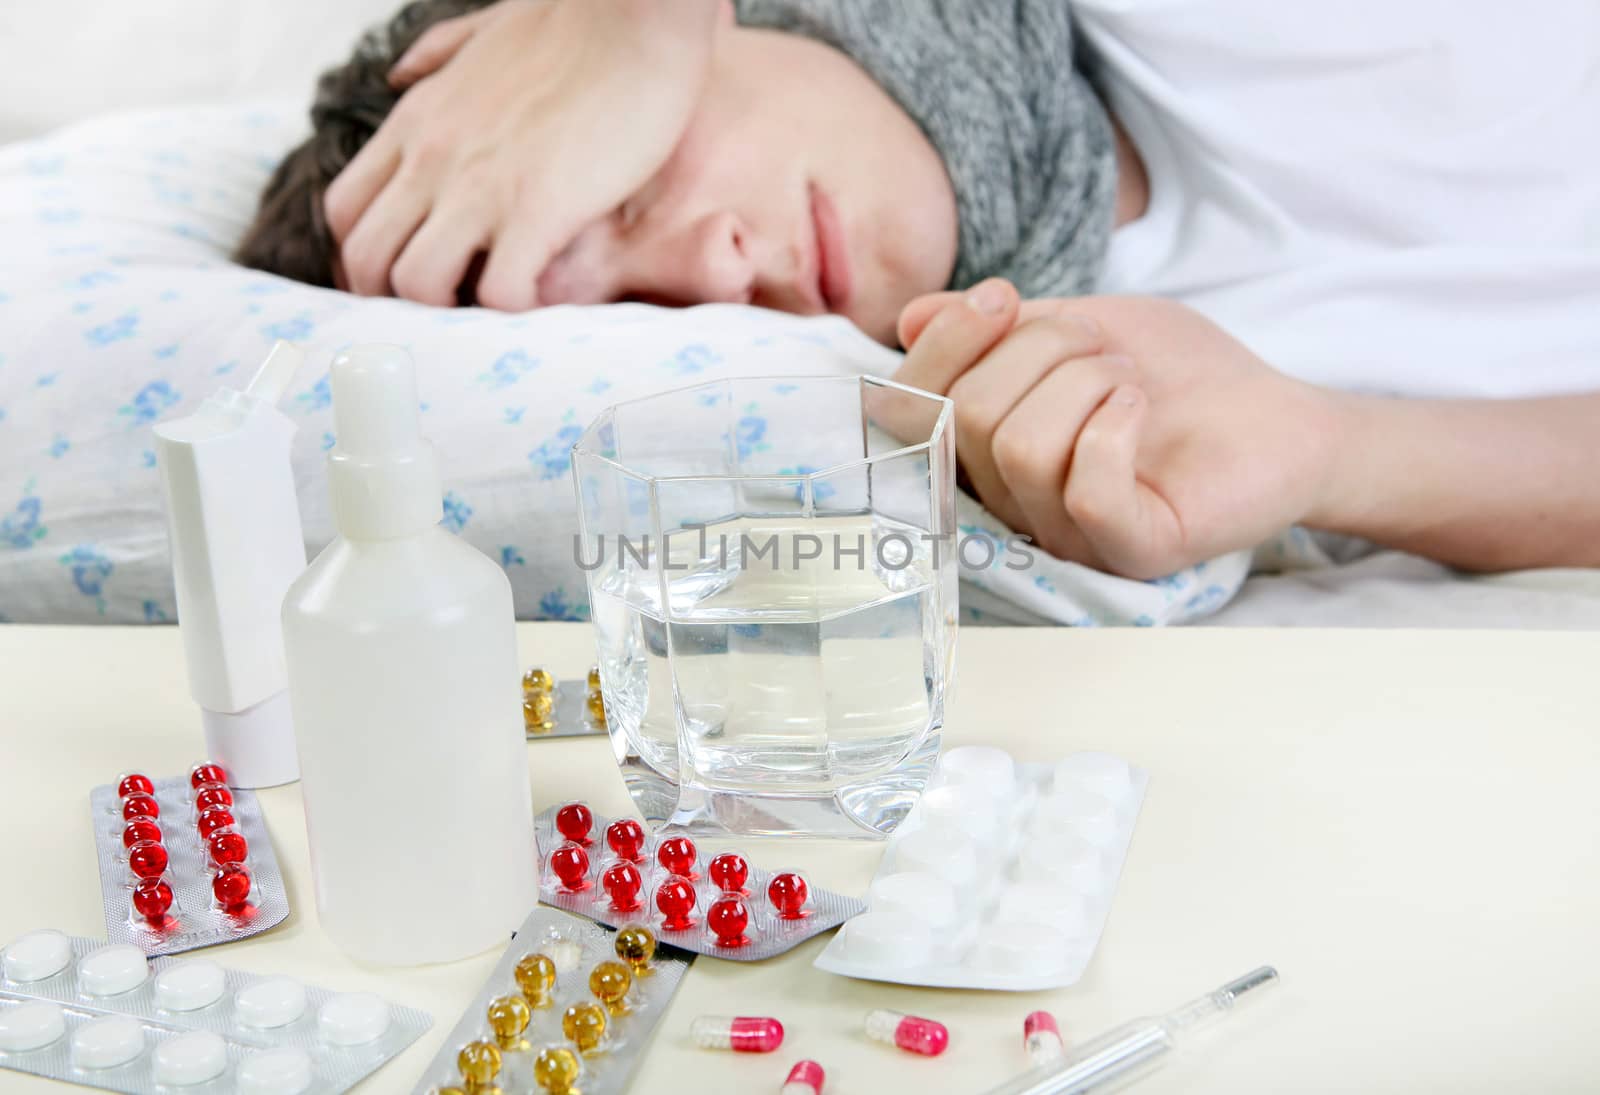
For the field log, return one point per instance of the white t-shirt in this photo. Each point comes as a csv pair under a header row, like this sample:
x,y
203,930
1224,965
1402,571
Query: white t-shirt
x,y
1398,197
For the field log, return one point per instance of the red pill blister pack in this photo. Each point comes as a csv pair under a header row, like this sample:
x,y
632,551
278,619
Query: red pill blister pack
x,y
184,862
702,900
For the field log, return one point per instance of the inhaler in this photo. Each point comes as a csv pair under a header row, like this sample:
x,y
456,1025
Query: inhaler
x,y
234,526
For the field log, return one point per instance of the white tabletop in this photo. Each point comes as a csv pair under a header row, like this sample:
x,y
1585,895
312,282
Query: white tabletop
x,y
1404,823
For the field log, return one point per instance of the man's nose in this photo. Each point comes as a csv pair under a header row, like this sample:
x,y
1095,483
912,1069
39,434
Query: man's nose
x,y
711,263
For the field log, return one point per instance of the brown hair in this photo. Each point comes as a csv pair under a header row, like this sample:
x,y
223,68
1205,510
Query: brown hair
x,y
290,235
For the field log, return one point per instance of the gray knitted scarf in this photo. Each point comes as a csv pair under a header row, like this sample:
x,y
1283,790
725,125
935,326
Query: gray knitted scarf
x,y
1024,138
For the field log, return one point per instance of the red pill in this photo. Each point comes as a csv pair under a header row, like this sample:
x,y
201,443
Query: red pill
x,y
140,828
208,795
207,773
677,855
805,1078
570,863
788,893
626,838
676,899
139,804
729,872
574,821
218,817
623,883
147,859
727,918
152,898
231,885
134,782
227,846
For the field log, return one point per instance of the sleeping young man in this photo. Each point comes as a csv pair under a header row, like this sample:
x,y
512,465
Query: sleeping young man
x,y
1190,275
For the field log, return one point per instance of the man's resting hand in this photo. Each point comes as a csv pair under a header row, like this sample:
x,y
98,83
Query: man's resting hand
x,y
1126,433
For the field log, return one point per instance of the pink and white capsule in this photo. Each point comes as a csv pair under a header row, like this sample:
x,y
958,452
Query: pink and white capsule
x,y
1041,1038
805,1078
742,1034
911,1033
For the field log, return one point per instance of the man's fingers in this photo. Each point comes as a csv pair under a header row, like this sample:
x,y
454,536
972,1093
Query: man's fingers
x,y
959,335
519,252
360,183
914,318
1131,529
370,250
431,266
1004,380
437,45
1033,447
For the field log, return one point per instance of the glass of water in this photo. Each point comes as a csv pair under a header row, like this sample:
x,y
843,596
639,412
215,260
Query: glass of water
x,y
772,580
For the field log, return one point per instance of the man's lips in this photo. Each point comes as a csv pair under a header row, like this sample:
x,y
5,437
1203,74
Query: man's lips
x,y
833,257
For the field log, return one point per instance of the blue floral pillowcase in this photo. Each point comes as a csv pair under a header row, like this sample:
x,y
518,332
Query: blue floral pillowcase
x,y
118,308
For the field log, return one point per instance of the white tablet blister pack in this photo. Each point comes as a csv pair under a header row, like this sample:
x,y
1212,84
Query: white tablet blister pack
x,y
103,1015
569,1007
1001,876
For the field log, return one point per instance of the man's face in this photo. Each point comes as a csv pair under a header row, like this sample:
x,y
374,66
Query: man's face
x,y
799,185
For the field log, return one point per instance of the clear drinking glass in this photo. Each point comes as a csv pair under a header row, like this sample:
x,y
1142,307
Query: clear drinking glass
x,y
772,580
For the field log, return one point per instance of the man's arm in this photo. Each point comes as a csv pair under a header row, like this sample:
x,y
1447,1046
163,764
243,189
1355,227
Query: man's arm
x,y
1478,484
1134,435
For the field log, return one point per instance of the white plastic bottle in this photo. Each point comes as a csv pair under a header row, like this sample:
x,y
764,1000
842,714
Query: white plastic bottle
x,y
403,678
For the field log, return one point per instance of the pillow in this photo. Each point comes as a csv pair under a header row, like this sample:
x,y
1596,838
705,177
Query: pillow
x,y
119,307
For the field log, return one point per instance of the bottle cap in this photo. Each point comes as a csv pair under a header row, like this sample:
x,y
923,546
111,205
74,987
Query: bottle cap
x,y
383,476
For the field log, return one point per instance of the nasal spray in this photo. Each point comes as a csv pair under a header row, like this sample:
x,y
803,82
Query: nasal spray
x,y
234,525
401,642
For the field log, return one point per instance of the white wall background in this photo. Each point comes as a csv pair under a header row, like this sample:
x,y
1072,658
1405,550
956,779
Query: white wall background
x,y
66,59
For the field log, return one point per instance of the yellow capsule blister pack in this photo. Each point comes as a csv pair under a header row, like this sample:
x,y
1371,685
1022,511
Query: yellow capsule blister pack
x,y
561,709
568,1010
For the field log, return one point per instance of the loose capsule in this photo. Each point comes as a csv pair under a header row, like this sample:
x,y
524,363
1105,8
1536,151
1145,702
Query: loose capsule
x,y
1041,1038
508,1018
536,977
478,1063
584,1025
742,1034
805,1078
911,1033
